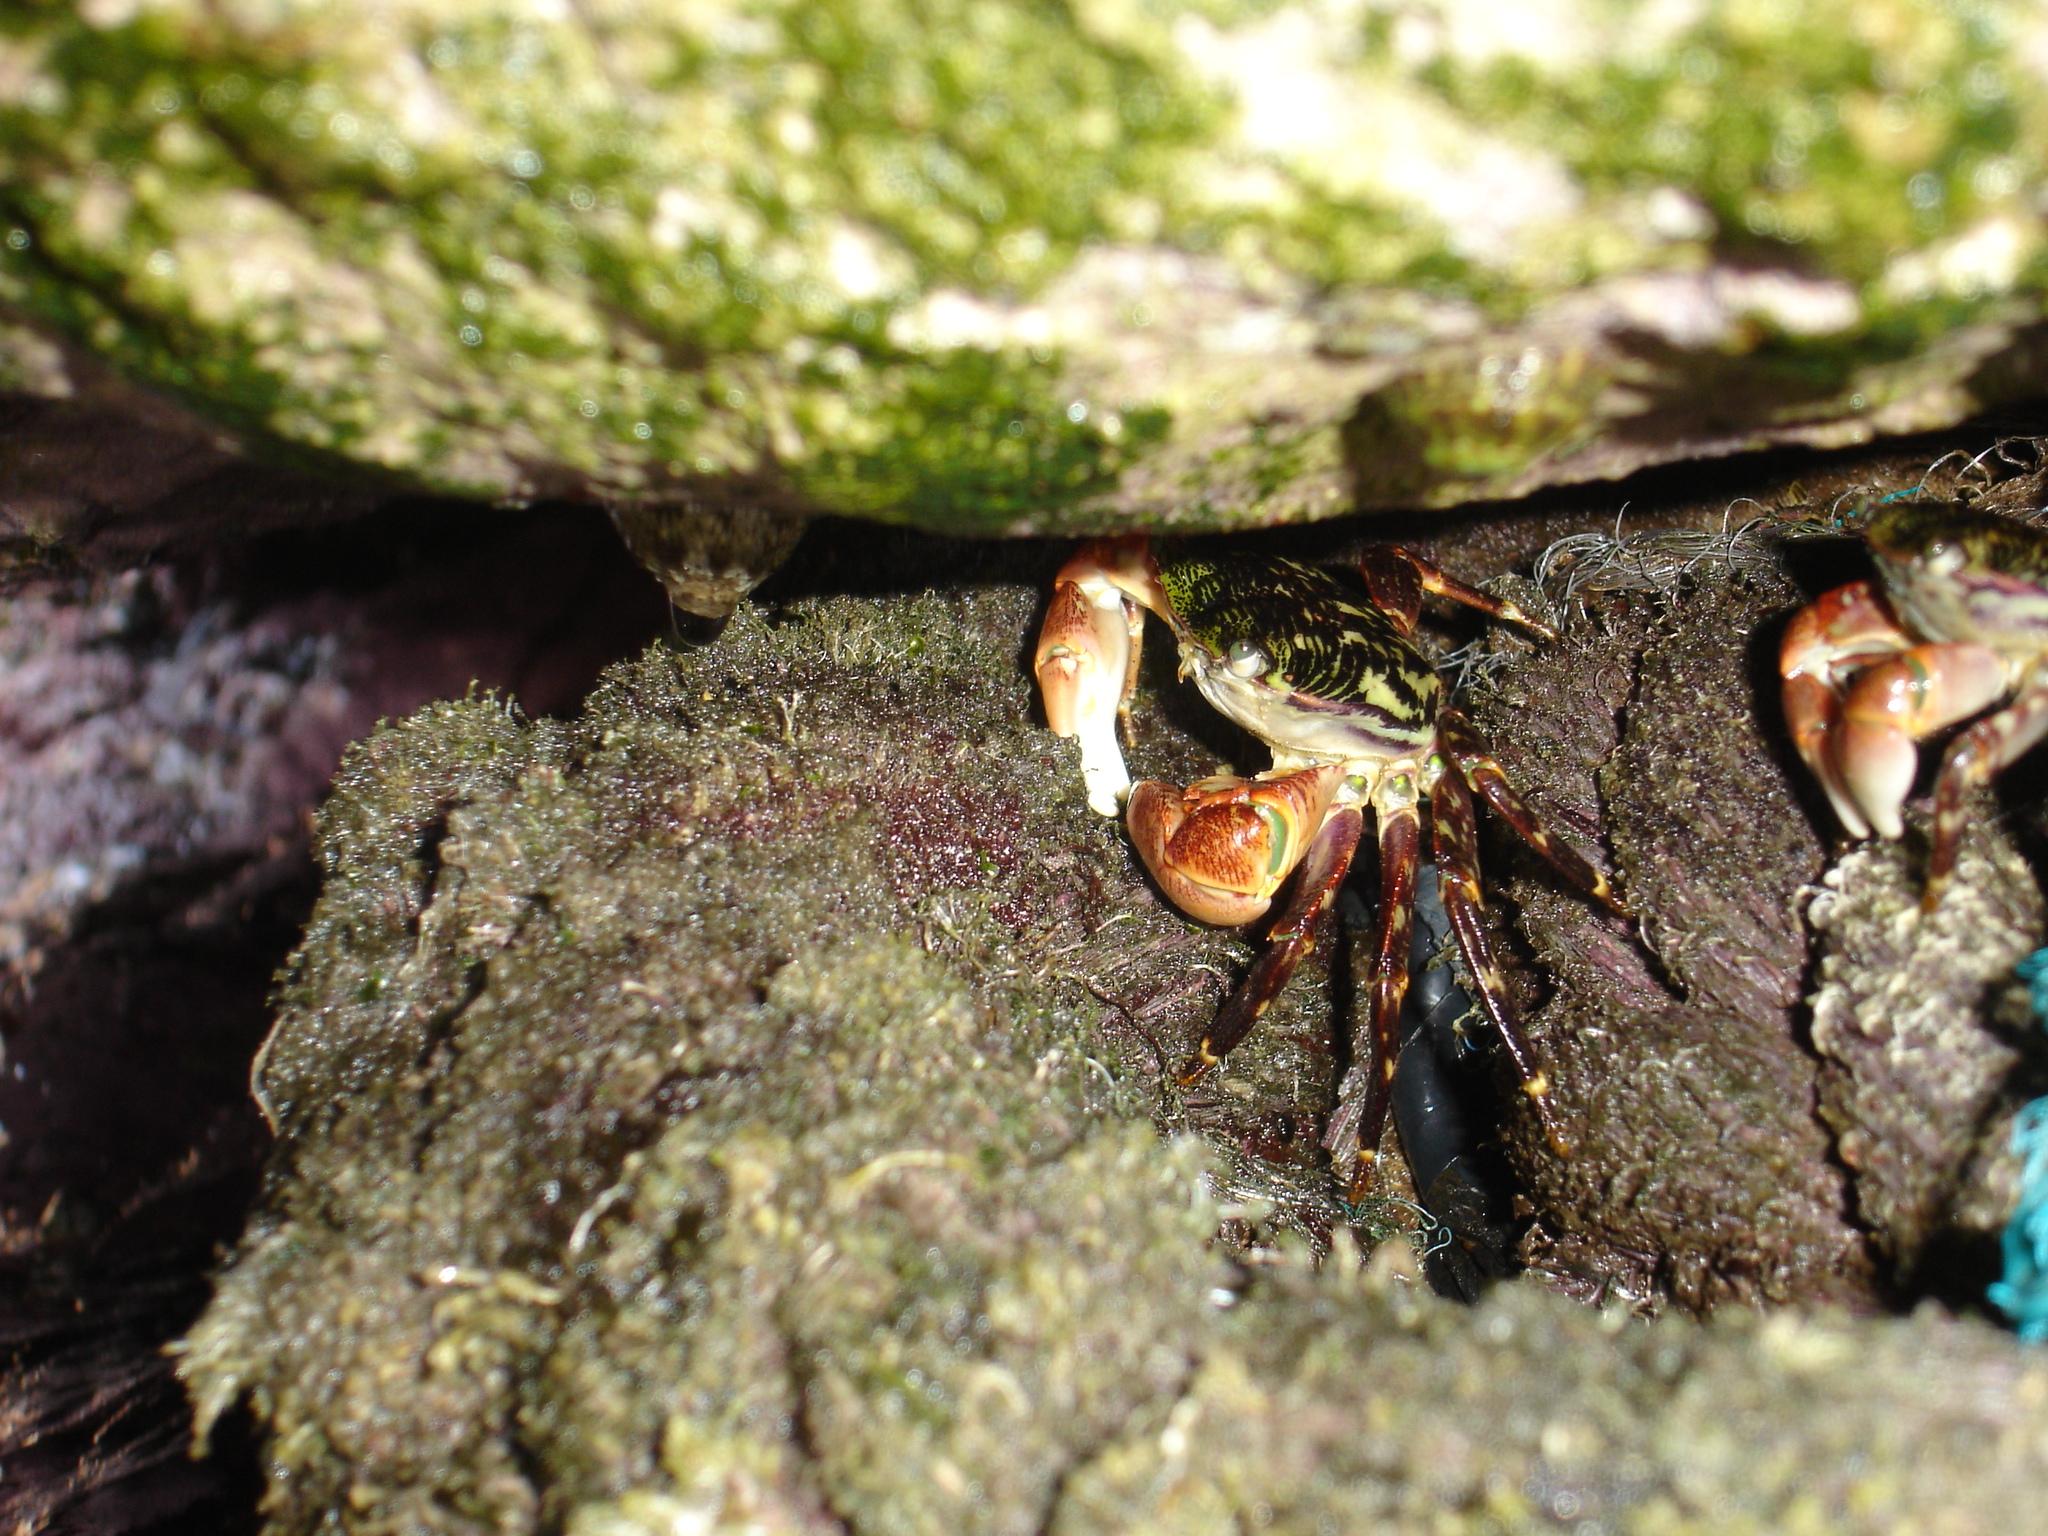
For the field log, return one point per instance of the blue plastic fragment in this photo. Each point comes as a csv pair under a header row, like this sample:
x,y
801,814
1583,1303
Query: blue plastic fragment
x,y
2023,1294
2034,972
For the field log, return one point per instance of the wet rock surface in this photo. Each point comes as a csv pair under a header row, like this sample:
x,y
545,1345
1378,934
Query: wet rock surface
x,y
165,734
748,1100
1925,1042
802,1128
1693,1037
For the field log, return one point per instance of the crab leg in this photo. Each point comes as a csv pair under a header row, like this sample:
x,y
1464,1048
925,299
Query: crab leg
x,y
1397,578
1455,832
1324,864
1353,1136
1468,750
1991,744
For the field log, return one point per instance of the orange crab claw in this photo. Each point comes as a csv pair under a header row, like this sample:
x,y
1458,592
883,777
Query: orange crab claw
x,y
1859,695
1222,846
1813,715
1823,644
1894,703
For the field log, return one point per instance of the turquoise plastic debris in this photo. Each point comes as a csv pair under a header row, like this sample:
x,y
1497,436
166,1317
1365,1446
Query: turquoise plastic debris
x,y
2023,1294
2034,972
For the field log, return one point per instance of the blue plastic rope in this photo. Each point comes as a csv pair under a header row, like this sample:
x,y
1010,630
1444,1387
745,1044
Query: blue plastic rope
x,y
2023,1294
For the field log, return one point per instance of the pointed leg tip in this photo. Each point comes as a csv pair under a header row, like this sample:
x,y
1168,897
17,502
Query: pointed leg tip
x,y
1363,1174
1519,616
1603,891
1941,869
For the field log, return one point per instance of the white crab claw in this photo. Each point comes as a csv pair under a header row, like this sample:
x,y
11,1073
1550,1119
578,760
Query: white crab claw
x,y
1084,655
1103,774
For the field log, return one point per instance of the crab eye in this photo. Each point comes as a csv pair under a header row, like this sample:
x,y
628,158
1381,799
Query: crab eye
x,y
1244,659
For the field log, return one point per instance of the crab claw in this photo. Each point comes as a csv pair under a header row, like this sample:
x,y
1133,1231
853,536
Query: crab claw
x,y
1222,846
1824,645
1859,696
1892,705
1084,655
1087,655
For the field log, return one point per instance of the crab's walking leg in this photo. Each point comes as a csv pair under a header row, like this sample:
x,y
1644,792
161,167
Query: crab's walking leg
x,y
1397,578
1321,873
1469,751
1455,831
1980,752
1353,1136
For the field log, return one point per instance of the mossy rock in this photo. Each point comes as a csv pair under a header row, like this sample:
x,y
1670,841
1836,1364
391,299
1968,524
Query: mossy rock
x,y
743,1106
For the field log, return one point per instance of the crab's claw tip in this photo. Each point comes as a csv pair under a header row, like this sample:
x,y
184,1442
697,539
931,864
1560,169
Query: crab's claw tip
x,y
1104,777
1602,890
1063,683
1514,613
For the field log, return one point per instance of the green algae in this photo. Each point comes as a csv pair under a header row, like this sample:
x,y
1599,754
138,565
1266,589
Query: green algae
x,y
1858,140
425,242
989,267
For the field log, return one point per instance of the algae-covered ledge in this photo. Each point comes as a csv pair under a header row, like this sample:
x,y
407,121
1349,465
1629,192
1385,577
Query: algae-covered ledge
x,y
735,1107
995,266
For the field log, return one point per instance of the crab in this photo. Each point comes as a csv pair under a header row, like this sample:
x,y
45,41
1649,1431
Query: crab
x,y
1356,720
1956,623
